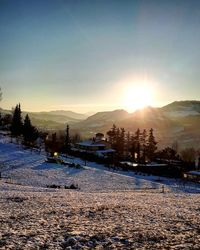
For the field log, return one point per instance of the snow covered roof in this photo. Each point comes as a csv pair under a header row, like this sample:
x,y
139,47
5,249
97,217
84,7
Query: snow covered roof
x,y
129,163
194,172
109,150
90,143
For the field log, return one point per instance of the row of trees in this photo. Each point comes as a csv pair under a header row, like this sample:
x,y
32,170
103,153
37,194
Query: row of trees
x,y
58,142
139,146
20,127
23,128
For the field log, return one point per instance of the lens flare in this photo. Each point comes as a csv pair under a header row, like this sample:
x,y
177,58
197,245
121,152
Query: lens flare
x,y
137,96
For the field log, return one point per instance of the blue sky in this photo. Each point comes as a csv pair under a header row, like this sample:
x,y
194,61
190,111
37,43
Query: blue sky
x,y
79,55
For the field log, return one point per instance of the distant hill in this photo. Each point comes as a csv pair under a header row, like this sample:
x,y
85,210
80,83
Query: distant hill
x,y
47,124
90,113
67,113
177,121
48,116
182,108
101,121
100,118
53,119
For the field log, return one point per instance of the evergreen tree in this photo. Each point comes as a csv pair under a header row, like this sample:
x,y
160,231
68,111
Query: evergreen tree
x,y
116,137
54,138
151,148
17,125
137,144
144,144
112,136
127,143
132,147
120,141
30,133
117,140
140,146
67,140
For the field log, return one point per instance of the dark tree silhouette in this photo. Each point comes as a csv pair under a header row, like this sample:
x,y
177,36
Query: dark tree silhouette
x,y
127,144
30,133
75,138
7,119
151,148
133,147
17,125
137,144
144,145
67,140
112,135
167,154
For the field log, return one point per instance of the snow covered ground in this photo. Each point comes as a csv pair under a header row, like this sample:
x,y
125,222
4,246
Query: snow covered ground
x,y
64,219
112,209
29,168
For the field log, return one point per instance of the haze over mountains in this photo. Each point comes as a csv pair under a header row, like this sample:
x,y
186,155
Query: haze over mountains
x,y
178,121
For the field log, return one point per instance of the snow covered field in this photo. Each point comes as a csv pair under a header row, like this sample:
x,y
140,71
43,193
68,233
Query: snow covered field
x,y
112,209
29,168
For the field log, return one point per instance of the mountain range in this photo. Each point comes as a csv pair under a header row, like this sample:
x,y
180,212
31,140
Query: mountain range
x,y
176,122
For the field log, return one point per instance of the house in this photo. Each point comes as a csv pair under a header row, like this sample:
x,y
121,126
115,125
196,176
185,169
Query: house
x,y
97,145
192,176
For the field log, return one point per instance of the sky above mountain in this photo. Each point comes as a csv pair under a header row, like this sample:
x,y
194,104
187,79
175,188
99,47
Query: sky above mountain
x,y
94,55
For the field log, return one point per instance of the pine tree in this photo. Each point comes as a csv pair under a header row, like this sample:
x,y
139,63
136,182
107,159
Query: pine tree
x,y
137,144
121,141
117,140
30,133
112,136
26,129
132,147
127,143
151,148
17,125
144,144
116,137
67,140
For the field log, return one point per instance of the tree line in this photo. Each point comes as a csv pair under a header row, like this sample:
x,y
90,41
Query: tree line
x,y
139,146
24,128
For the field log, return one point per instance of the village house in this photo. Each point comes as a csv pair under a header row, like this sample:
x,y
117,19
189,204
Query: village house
x,y
192,176
97,145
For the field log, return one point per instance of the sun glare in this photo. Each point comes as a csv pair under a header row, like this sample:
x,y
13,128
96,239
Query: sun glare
x,y
137,97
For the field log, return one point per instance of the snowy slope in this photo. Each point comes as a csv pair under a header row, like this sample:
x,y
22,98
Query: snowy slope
x,y
82,220
112,210
28,167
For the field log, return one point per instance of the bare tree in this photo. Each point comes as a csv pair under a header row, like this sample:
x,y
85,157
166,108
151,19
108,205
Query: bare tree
x,y
188,154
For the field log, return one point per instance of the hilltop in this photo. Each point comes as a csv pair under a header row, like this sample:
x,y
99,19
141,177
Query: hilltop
x,y
178,121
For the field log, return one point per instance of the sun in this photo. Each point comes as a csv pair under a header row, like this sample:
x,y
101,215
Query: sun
x,y
137,96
